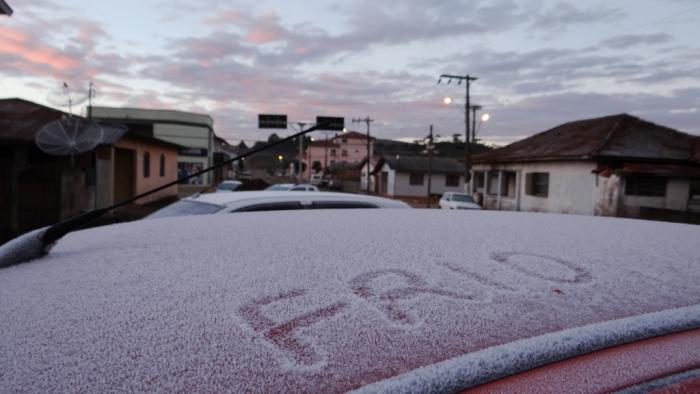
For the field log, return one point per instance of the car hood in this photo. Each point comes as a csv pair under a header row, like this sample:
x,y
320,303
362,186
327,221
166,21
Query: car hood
x,y
242,302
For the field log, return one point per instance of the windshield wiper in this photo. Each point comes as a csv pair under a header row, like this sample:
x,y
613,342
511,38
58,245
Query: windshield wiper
x,y
37,243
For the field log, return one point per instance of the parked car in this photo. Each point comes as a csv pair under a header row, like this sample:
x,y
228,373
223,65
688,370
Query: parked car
x,y
453,200
271,201
385,300
292,187
281,187
228,186
316,179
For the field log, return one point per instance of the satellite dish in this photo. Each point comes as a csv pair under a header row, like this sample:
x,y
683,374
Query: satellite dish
x,y
65,96
68,136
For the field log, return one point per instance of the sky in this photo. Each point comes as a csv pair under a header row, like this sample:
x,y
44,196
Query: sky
x,y
539,63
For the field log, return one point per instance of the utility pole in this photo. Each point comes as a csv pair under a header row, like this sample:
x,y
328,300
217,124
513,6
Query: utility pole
x,y
301,148
430,163
467,79
474,108
366,120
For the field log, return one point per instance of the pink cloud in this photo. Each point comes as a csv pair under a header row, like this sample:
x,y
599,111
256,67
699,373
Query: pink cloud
x,y
18,44
261,35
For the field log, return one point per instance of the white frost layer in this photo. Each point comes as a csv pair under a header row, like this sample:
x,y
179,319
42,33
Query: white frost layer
x,y
321,301
24,248
500,361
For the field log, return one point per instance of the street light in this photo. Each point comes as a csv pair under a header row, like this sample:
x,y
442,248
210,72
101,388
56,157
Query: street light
x,y
475,107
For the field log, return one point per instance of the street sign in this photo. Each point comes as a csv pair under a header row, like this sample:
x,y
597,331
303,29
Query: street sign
x,y
269,121
330,123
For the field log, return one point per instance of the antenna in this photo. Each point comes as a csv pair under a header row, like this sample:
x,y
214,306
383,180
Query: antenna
x,y
68,136
65,96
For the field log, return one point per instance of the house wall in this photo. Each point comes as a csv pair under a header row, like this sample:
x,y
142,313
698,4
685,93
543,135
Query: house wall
x,y
402,187
191,137
356,149
143,184
318,153
188,129
572,188
677,195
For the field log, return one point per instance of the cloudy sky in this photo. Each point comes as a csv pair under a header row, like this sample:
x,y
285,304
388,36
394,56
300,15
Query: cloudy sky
x,y
539,62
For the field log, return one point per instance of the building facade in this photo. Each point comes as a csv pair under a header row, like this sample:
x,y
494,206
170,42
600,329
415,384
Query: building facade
x,y
349,148
611,166
414,176
194,132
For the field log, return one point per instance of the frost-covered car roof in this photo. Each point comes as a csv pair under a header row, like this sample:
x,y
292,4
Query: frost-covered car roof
x,y
381,300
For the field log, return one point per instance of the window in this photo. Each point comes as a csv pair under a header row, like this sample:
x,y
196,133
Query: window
x,y
415,178
332,152
344,153
479,179
162,165
451,180
146,164
344,140
493,183
537,184
649,186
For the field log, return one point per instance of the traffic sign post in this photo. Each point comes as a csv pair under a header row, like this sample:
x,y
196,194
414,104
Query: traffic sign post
x,y
271,121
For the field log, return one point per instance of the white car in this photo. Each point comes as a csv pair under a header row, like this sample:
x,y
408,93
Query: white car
x,y
380,301
316,178
293,187
250,201
453,200
228,186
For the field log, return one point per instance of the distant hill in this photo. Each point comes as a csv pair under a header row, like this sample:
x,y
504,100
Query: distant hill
x,y
443,149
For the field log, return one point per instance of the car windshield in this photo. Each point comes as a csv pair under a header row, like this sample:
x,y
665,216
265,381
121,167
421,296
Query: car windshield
x,y
186,207
229,186
279,188
462,198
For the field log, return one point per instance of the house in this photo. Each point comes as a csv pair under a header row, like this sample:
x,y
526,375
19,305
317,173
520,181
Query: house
x,y
414,176
616,165
348,147
38,189
194,132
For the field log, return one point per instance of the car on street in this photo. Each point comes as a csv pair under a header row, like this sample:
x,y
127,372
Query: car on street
x,y
228,186
373,300
292,187
248,201
316,179
453,200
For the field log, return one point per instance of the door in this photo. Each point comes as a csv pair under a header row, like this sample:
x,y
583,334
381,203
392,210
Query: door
x,y
124,174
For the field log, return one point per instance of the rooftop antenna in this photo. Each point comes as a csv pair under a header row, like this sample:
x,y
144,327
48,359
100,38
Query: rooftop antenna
x,y
70,134
65,96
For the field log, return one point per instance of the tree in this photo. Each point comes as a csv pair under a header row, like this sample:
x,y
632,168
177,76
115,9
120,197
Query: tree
x,y
273,138
242,146
456,138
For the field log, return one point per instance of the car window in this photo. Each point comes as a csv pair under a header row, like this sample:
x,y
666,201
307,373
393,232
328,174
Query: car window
x,y
229,186
462,198
278,188
186,207
273,206
341,205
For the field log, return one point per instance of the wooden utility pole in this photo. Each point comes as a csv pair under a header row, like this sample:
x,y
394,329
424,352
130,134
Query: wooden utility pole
x,y
366,120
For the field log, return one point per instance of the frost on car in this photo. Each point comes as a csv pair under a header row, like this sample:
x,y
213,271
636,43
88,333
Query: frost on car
x,y
384,300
